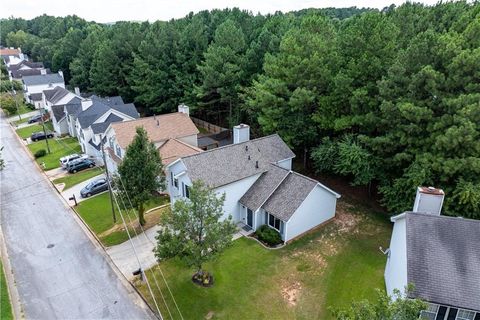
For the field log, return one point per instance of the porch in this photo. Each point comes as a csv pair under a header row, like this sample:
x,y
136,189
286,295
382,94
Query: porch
x,y
242,231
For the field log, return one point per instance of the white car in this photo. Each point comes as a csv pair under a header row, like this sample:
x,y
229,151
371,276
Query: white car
x,y
64,161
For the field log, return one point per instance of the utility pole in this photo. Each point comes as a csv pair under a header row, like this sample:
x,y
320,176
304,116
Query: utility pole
x,y
108,179
14,94
44,130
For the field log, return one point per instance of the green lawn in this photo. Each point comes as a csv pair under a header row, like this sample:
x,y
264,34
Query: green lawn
x,y
23,120
58,148
97,213
328,268
72,179
5,306
26,132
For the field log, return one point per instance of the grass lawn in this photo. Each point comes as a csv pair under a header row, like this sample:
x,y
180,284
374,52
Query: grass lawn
x,y
26,132
5,306
58,148
331,267
97,213
23,120
72,179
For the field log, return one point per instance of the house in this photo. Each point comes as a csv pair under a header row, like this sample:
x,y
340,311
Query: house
x,y
439,255
174,134
26,68
94,118
258,183
58,114
58,96
12,56
35,85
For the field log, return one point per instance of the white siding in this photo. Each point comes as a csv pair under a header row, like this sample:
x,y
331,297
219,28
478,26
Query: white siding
x,y
176,192
233,192
396,268
318,207
191,140
60,127
286,164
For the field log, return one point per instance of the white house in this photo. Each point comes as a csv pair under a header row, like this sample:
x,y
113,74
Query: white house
x,y
95,117
12,56
439,255
258,183
35,85
59,115
26,68
58,96
174,134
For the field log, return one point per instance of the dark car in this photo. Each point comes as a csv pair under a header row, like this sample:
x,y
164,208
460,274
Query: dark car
x,y
94,187
35,118
41,136
79,165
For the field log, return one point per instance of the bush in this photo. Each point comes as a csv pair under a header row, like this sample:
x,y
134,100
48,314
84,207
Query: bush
x,y
30,106
40,153
268,235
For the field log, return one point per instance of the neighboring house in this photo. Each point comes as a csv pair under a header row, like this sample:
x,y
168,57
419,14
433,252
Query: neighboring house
x,y
26,68
12,56
96,115
38,83
258,183
439,255
174,134
58,96
58,114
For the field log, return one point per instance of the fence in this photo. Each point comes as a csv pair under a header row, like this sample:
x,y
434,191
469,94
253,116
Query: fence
x,y
211,128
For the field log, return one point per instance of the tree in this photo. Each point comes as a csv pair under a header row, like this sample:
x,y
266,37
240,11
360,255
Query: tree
x,y
384,308
141,172
193,230
7,102
105,70
2,163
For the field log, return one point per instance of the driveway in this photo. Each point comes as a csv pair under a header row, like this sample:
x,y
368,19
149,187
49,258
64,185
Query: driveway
x,y
59,271
25,115
75,190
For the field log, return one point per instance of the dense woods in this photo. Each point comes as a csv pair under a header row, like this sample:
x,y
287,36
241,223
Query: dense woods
x,y
389,98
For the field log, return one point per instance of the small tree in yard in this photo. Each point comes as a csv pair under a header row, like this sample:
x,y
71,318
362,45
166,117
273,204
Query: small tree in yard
x,y
384,308
141,172
193,231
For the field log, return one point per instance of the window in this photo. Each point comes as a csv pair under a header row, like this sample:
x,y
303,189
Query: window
x,y
187,192
110,142
430,313
465,315
171,177
274,222
118,151
175,182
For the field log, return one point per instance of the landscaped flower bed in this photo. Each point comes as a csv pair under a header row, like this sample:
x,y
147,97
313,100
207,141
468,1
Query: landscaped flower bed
x,y
268,236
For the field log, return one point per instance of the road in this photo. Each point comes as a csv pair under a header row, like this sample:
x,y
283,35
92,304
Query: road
x,y
59,272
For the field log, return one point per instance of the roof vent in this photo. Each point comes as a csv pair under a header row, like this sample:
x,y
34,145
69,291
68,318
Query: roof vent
x,y
248,157
256,164
158,123
246,148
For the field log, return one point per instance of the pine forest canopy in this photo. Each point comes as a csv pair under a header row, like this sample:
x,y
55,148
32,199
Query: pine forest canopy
x,y
389,97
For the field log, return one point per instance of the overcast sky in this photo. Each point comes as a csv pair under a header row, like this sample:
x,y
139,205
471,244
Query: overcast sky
x,y
115,10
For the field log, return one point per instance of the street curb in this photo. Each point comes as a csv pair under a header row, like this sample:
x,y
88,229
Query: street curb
x,y
92,236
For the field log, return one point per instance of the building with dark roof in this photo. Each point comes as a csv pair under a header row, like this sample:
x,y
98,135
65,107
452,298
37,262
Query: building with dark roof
x,y
38,83
259,186
439,255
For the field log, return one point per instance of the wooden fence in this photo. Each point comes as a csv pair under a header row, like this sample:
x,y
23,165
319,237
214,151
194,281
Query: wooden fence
x,y
211,128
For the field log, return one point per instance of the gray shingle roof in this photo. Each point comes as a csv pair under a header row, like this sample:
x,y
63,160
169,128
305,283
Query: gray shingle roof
x,y
101,127
56,94
109,101
230,163
73,108
43,79
36,96
99,108
30,64
18,74
58,112
289,195
443,259
261,190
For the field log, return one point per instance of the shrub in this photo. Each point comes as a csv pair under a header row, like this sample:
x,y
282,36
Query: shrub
x,y
40,153
268,235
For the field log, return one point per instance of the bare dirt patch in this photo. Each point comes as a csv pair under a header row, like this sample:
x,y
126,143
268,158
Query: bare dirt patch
x,y
291,292
345,220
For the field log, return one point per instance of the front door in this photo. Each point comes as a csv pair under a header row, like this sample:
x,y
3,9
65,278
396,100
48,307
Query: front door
x,y
249,218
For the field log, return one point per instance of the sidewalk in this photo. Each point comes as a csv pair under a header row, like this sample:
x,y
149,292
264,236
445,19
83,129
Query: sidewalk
x,y
25,115
75,190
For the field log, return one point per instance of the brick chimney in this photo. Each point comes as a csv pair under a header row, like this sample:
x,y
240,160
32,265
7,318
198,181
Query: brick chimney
x,y
429,200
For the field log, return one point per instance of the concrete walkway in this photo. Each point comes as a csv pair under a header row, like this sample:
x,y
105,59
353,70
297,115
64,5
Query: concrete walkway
x,y
60,271
75,190
25,115
123,255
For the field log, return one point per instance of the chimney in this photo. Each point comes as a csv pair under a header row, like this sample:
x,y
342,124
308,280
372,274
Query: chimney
x,y
77,91
184,109
241,133
43,71
60,72
429,200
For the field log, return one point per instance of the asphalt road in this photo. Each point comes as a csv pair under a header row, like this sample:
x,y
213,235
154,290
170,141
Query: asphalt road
x,y
59,272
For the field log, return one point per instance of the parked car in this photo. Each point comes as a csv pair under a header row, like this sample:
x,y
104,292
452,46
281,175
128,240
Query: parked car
x,y
64,161
79,165
36,118
41,136
94,187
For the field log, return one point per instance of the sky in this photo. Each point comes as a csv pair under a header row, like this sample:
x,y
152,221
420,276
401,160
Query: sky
x,y
151,10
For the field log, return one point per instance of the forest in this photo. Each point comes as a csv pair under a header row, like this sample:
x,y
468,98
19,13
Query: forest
x,y
386,98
